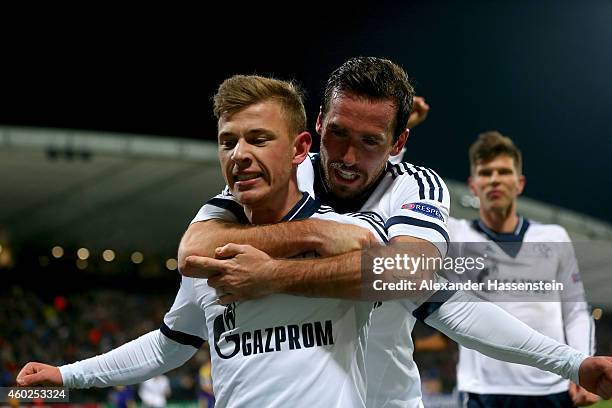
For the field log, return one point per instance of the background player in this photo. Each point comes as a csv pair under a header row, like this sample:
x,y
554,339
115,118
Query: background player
x,y
497,180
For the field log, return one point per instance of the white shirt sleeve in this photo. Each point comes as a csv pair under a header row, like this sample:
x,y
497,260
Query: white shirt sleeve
x,y
132,363
221,207
419,206
578,323
182,333
487,328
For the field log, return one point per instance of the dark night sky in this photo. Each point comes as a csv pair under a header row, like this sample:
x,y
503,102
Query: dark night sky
x,y
537,71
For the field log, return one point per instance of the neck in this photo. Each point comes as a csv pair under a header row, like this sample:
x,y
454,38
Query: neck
x,y
276,206
502,220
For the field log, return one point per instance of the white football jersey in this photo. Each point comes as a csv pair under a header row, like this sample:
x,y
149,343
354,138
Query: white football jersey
x,y
408,200
536,252
280,350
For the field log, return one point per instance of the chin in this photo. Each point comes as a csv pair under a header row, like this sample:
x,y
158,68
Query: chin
x,y
343,192
247,197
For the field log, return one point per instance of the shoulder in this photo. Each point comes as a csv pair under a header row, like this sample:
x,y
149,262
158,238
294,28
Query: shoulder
x,y
409,171
462,230
419,181
365,219
547,232
458,224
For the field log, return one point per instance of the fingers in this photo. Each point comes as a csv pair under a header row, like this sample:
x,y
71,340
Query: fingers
x,y
26,371
228,299
37,373
32,379
202,267
573,389
230,250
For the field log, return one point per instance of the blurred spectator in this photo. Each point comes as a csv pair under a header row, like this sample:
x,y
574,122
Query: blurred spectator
x,y
154,392
122,397
206,397
63,328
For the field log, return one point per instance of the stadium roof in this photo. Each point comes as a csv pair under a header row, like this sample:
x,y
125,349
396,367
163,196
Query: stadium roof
x,y
100,190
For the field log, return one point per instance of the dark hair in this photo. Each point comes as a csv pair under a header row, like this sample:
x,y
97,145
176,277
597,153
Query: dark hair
x,y
491,144
241,91
375,79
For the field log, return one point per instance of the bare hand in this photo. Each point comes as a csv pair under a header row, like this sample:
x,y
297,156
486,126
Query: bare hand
x,y
596,376
581,397
420,110
39,374
336,238
242,273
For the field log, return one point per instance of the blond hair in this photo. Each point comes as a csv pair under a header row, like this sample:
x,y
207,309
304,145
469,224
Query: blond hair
x,y
241,91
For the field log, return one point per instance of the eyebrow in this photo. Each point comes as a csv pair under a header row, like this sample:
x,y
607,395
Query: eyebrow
x,y
337,128
343,130
251,132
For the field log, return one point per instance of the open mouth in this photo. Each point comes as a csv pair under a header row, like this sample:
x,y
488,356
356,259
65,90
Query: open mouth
x,y
245,181
247,176
346,175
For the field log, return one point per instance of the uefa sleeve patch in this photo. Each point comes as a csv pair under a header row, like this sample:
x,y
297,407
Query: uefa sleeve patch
x,y
425,209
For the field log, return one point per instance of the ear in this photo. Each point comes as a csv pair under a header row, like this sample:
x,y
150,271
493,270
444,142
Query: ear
x,y
319,124
472,186
401,141
301,147
521,184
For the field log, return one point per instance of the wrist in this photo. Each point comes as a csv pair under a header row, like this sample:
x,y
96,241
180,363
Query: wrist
x,y
277,281
312,237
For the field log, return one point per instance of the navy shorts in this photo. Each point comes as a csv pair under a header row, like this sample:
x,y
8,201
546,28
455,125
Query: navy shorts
x,y
560,400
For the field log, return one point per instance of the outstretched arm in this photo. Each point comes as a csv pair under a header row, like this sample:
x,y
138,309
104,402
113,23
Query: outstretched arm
x,y
134,362
487,328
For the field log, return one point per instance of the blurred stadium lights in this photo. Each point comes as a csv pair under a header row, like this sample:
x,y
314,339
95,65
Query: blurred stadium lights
x,y
6,257
470,201
137,257
172,264
108,255
57,251
83,253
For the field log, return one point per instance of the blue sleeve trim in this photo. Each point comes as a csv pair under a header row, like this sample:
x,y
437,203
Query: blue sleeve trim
x,y
432,304
402,219
180,337
232,207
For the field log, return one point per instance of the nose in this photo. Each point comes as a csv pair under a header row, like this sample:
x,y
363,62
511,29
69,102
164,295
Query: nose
x,y
349,157
241,154
494,177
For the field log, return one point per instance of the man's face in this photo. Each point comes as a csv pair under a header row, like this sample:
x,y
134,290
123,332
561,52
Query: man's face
x,y
356,141
497,183
255,152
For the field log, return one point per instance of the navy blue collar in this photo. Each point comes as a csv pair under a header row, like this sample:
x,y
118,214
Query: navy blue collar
x,y
341,205
303,209
510,242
